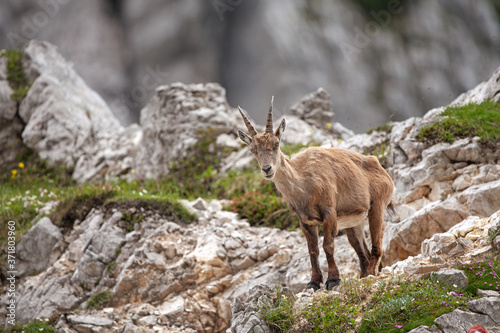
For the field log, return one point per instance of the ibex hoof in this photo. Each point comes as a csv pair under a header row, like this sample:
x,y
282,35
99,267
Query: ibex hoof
x,y
332,283
312,285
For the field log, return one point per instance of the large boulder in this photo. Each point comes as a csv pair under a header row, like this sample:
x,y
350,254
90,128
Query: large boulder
x,y
35,248
69,123
176,118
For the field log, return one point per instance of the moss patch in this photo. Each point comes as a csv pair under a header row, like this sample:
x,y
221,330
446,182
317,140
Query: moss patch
x,y
15,74
466,121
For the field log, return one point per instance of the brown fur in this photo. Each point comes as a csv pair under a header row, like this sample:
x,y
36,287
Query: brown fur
x,y
334,188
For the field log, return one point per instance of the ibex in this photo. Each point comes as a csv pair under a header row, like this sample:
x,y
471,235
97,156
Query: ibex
x,y
331,187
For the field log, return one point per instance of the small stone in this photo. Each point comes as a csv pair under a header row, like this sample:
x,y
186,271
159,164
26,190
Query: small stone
x,y
200,204
452,277
148,320
487,293
241,264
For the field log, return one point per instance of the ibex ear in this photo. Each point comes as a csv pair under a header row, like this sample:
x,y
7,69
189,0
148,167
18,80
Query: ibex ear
x,y
280,129
244,137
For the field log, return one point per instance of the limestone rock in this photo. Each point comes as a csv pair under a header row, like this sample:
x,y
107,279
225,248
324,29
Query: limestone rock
x,y
486,90
175,119
404,239
459,320
487,305
315,108
454,278
483,199
68,123
10,124
36,246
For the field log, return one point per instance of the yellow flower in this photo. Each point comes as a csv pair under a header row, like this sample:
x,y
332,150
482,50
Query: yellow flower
x,y
329,125
14,173
134,182
340,140
21,165
133,171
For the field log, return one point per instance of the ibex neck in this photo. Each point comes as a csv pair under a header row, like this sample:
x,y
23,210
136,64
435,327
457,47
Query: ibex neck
x,y
286,175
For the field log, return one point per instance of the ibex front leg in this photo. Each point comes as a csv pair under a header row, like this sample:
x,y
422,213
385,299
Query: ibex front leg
x,y
311,233
329,233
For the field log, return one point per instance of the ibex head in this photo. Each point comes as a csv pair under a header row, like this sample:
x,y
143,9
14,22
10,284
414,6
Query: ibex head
x,y
264,146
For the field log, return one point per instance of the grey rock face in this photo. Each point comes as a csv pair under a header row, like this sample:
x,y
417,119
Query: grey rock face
x,y
36,246
67,122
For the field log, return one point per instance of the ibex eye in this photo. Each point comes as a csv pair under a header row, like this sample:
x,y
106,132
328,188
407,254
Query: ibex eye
x,y
252,150
277,144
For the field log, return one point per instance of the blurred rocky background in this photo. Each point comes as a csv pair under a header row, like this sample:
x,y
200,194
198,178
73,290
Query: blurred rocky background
x,y
379,60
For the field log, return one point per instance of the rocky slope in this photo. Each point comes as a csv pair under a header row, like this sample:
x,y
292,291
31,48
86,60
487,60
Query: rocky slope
x,y
400,63
167,275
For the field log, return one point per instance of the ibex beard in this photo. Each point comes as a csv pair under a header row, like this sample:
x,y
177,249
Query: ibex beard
x,y
329,187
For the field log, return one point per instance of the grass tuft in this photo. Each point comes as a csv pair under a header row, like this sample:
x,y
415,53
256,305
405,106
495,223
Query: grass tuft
x,y
99,300
36,326
470,120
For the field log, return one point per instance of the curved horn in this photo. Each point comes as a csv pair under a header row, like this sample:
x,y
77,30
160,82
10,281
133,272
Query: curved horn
x,y
251,129
269,124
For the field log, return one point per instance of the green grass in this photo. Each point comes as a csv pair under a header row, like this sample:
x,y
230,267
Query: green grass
x,y
262,209
470,120
394,304
15,74
33,327
482,275
387,128
99,300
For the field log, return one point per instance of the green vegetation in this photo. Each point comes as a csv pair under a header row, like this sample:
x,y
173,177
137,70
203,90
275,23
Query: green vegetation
x,y
482,275
390,305
99,300
33,327
406,304
264,210
15,74
470,120
387,128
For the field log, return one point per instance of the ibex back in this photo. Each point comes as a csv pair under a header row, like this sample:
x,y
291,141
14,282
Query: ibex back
x,y
334,188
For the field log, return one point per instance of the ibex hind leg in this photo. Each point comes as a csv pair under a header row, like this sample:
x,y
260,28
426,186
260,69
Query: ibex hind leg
x,y
377,228
356,237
